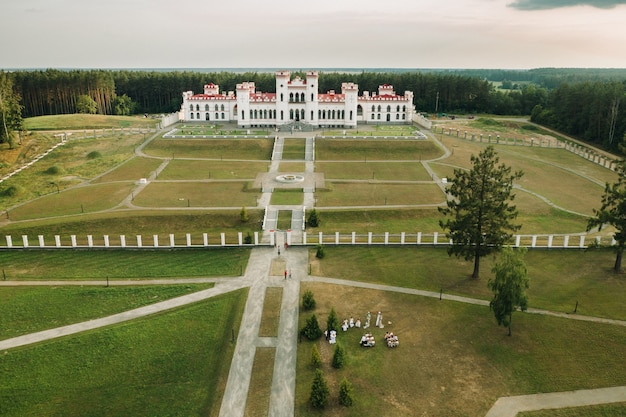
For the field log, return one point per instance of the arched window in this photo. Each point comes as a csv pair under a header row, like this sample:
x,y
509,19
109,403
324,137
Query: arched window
x,y
398,108
350,114
216,108
191,107
373,108
388,109
206,107
290,97
217,115
319,114
198,116
251,114
222,107
206,116
282,115
378,116
359,110
372,116
302,113
191,116
256,114
379,108
223,116
301,96
291,114
403,116
312,96
403,108
397,116
281,97
265,114
312,114
197,107
243,115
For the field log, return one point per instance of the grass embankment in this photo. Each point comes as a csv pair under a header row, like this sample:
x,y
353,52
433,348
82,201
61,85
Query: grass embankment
x,y
558,278
67,122
373,150
175,363
237,149
30,309
453,359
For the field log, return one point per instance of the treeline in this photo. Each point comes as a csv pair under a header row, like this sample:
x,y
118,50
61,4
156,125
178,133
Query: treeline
x,y
584,103
591,111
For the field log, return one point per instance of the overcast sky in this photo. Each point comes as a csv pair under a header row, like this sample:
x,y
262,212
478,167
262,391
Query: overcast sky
x,y
312,34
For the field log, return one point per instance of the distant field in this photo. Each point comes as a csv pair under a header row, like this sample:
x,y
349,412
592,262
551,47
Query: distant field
x,y
388,171
86,121
183,169
380,194
195,194
375,150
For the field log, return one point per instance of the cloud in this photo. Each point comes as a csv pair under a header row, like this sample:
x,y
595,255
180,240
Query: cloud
x,y
555,4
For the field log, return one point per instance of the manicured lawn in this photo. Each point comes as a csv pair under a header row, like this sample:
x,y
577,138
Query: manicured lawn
x,y
74,201
181,169
195,194
238,149
604,410
379,194
175,363
271,312
387,171
122,264
30,309
373,150
293,149
288,197
453,359
258,402
132,170
558,278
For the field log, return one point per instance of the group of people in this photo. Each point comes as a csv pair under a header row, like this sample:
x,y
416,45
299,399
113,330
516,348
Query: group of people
x,y
392,340
367,340
350,323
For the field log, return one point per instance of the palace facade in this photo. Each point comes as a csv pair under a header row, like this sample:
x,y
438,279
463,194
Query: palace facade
x,y
297,101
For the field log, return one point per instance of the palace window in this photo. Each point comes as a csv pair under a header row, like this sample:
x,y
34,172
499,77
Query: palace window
x,y
312,96
197,107
388,109
302,114
223,116
216,108
198,116
243,115
206,107
373,108
301,96
379,108
206,116
191,116
350,114
191,107
222,107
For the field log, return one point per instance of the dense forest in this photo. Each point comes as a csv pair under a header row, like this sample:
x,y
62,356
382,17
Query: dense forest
x,y
585,103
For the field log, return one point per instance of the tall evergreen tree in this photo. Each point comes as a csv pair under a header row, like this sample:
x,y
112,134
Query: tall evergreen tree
x,y
480,216
319,390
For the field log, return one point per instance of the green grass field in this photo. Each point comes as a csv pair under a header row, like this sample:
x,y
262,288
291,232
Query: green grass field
x,y
238,149
87,121
375,150
180,169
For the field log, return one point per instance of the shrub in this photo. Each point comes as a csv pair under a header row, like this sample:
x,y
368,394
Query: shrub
x,y
339,356
12,191
94,155
313,219
332,322
243,215
319,253
312,328
316,359
308,301
345,393
53,170
247,239
319,390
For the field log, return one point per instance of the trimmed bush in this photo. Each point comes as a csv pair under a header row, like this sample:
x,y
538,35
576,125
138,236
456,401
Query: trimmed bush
x,y
316,359
339,356
94,155
332,322
319,254
12,191
345,393
312,328
313,219
53,170
247,239
319,390
308,301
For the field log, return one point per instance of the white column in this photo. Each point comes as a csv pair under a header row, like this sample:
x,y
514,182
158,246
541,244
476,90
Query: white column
x,y
188,239
90,241
336,238
272,238
581,244
517,240
565,241
550,241
106,241
534,241
172,243
321,238
240,238
289,237
256,238
402,238
57,241
435,236
369,238
155,241
419,238
139,241
41,241
25,241
123,241
304,238
386,238
9,241
205,239
353,238
223,238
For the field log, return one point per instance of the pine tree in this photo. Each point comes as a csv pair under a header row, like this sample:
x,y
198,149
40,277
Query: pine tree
x,y
345,393
332,322
319,390
312,328
308,301
339,356
316,359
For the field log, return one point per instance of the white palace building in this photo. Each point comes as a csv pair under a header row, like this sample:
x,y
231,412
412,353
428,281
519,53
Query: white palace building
x,y
297,101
